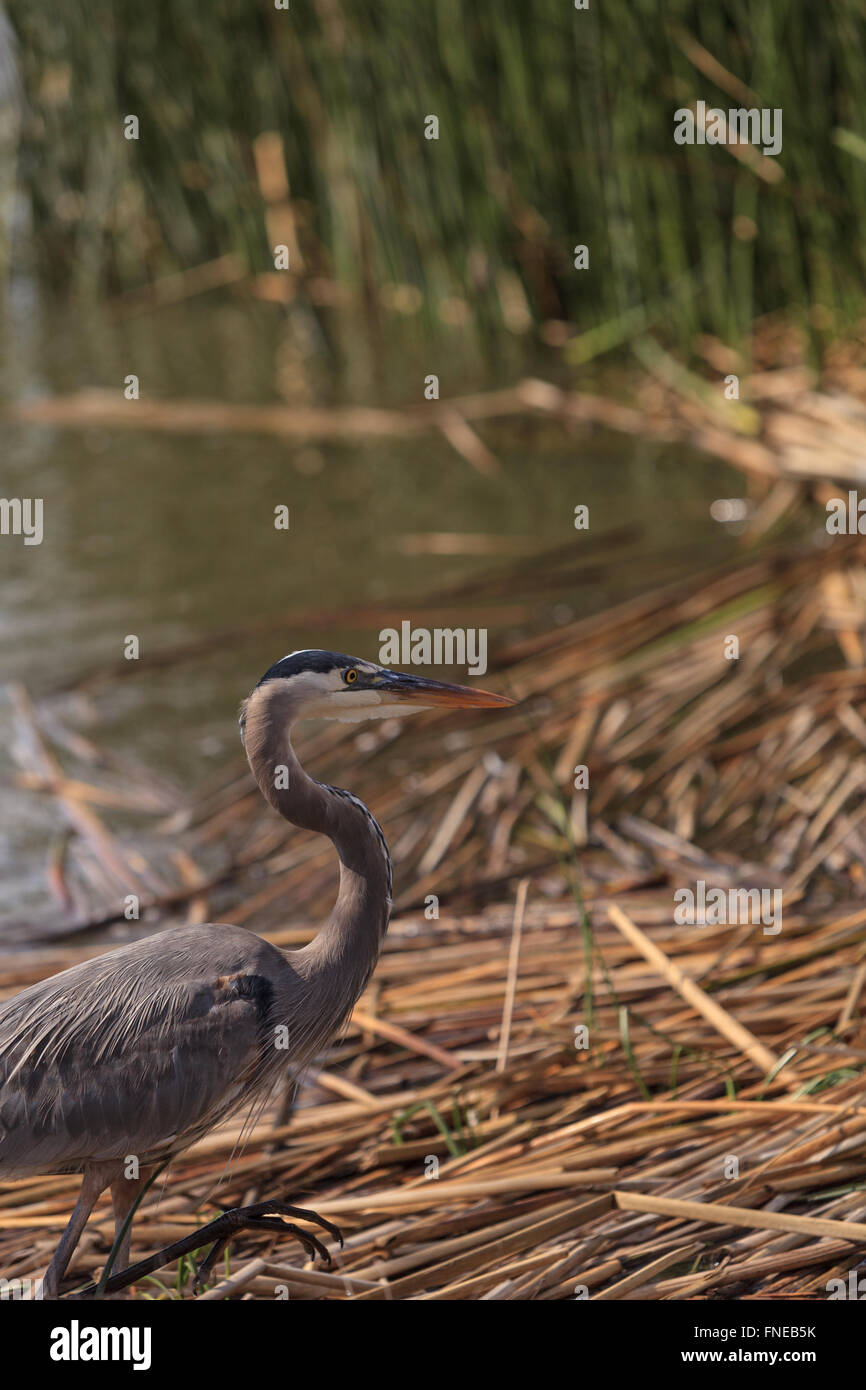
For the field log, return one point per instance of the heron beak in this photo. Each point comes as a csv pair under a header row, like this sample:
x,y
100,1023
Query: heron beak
x,y
417,690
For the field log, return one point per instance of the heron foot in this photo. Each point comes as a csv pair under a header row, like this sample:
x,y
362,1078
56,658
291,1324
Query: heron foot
x,y
263,1216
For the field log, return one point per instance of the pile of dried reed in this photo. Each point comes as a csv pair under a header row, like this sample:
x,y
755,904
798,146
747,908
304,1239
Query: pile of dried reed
x,y
705,1136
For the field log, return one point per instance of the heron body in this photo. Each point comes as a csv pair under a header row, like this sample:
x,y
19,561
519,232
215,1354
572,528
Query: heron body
x,y
140,1052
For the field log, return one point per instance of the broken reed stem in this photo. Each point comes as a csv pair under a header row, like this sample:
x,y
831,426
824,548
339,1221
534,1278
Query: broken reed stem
x,y
513,964
740,1037
394,1033
433,1193
753,1220
647,1273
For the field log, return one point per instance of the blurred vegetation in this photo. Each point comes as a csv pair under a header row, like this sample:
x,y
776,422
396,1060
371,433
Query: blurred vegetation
x,y
556,128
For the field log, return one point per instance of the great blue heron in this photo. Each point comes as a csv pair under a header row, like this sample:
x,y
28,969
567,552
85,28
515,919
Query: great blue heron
x,y
118,1064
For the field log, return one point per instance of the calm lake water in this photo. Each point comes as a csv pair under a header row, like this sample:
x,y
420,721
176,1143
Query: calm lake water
x,y
171,538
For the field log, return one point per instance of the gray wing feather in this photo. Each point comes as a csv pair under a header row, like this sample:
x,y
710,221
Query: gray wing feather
x,y
138,1051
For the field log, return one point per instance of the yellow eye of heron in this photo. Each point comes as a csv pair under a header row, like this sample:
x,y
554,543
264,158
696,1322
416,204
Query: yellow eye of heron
x,y
351,677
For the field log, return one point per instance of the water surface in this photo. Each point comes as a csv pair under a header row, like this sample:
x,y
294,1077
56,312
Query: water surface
x,y
171,538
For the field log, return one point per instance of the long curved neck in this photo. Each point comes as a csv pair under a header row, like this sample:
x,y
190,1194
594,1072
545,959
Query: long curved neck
x,y
339,961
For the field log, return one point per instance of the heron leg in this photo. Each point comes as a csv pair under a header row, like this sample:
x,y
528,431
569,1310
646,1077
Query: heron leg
x,y
93,1183
124,1195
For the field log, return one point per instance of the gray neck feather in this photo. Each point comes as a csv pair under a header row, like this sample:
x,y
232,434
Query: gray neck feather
x,y
337,964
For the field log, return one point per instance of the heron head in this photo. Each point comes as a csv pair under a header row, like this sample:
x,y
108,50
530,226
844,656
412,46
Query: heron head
x,y
330,685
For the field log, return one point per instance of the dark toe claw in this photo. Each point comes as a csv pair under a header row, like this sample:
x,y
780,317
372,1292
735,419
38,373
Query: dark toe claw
x,y
312,1216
